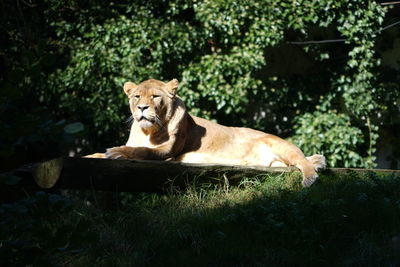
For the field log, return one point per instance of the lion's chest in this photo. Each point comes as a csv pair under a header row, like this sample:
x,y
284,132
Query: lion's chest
x,y
140,141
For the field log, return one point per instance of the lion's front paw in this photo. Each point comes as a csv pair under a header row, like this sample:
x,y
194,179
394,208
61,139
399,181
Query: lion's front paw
x,y
117,153
96,156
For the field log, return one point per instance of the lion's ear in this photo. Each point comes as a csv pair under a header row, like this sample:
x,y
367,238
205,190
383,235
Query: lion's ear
x,y
129,87
172,87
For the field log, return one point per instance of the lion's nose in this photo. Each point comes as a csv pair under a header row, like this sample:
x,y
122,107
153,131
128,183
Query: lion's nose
x,y
142,107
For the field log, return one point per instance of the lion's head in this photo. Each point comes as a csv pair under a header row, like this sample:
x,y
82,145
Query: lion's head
x,y
151,102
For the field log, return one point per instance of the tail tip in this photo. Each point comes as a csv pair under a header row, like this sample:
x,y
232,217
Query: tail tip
x,y
308,181
319,161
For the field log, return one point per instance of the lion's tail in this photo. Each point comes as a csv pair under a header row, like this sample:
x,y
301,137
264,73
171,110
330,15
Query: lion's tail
x,y
309,167
318,161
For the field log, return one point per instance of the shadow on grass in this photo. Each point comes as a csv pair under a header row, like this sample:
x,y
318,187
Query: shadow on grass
x,y
347,220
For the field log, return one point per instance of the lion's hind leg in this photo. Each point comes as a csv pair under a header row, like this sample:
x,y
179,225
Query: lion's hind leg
x,y
289,154
294,157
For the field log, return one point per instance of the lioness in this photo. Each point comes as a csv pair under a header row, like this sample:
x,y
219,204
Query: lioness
x,y
163,129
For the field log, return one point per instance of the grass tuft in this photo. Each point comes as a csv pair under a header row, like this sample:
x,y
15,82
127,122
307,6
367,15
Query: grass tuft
x,y
347,220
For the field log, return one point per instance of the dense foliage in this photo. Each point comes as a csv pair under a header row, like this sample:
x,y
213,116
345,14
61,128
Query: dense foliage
x,y
236,61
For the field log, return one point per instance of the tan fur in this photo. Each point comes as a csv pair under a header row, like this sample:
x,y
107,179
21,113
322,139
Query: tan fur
x,y
162,129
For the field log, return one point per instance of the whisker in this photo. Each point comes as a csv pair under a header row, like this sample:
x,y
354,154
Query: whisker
x,y
129,120
158,121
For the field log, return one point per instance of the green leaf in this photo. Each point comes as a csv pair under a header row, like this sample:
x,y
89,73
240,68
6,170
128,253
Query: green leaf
x,y
74,128
9,179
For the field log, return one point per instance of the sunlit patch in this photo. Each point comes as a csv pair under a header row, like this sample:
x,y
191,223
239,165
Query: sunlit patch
x,y
266,156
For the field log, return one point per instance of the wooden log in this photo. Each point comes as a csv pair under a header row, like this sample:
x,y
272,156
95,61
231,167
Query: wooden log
x,y
132,175
141,175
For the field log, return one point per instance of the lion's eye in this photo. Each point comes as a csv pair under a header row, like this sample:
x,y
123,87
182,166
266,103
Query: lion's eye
x,y
155,96
137,96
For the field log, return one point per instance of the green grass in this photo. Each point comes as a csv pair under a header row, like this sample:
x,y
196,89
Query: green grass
x,y
339,221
